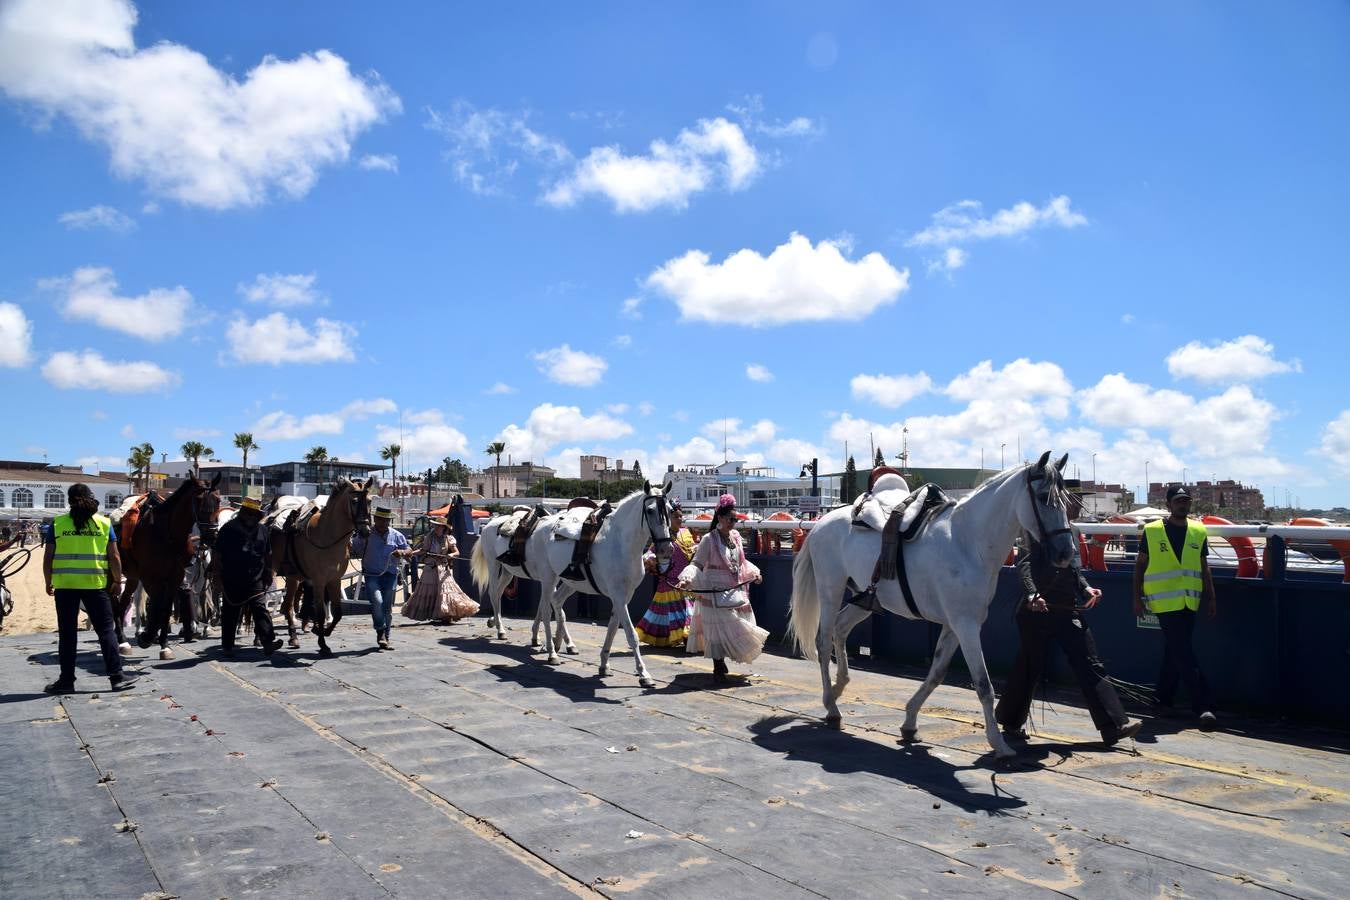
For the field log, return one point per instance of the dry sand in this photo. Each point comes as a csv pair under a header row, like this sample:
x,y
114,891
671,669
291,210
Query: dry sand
x,y
34,611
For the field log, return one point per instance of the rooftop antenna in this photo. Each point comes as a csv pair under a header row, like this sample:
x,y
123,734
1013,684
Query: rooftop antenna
x,y
904,449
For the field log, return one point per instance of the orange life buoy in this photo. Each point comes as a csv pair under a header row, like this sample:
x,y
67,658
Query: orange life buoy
x,y
798,539
1247,567
1340,546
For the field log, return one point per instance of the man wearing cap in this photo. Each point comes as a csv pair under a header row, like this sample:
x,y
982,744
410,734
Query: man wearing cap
x,y
244,550
1171,577
379,554
1049,614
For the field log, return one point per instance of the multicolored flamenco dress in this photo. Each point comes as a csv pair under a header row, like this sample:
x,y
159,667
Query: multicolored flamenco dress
x,y
666,622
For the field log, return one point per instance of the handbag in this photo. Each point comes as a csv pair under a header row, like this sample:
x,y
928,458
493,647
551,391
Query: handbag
x,y
729,599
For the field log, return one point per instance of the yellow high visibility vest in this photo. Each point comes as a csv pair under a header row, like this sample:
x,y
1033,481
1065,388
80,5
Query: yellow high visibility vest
x,y
81,559
1169,584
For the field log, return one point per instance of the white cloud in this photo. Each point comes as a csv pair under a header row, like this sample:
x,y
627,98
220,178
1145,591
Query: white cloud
x,y
732,432
90,294
1246,358
93,463
16,336
646,407
795,283
97,217
191,131
715,152
549,425
757,372
90,371
751,114
500,388
890,390
631,308
430,439
962,222
623,341
282,426
951,259
98,415
567,366
1127,318
616,409
379,162
277,340
1335,444
485,146
281,290
128,431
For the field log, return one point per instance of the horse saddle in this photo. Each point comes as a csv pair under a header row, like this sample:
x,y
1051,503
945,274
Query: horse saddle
x,y
517,530
571,520
579,568
873,509
904,524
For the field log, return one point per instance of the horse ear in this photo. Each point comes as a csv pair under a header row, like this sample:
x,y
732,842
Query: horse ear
x,y
215,482
646,487
1062,460
342,480
1045,458
370,483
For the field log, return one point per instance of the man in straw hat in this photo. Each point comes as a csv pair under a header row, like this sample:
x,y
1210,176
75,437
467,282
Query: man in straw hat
x,y
380,554
1049,613
244,549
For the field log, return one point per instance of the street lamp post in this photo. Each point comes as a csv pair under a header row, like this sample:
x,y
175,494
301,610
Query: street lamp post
x,y
1146,484
1000,455
1094,469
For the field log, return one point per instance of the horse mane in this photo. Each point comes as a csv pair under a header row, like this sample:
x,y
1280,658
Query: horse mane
x,y
1059,494
180,492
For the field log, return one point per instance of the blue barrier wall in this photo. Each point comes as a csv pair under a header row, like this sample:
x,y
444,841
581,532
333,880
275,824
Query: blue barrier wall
x,y
1278,647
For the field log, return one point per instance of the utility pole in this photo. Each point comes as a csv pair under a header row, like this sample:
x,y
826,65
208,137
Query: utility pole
x,y
428,492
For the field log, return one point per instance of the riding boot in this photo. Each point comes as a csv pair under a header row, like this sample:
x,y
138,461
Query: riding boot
x,y
719,671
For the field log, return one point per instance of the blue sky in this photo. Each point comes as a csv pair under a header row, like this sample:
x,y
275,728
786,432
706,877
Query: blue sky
x,y
608,228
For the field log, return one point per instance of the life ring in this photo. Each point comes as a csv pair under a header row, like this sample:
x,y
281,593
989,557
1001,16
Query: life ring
x,y
1248,566
798,539
1340,546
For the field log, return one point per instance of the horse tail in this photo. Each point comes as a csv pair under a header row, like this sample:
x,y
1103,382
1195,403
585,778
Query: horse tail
x,y
804,612
478,561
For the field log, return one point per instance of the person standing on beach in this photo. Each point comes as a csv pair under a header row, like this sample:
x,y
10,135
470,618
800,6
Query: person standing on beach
x,y
81,565
1171,576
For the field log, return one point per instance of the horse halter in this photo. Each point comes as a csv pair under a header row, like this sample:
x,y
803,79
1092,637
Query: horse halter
x,y
207,524
656,504
1046,535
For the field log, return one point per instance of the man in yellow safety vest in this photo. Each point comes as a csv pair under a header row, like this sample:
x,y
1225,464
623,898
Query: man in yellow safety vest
x,y
81,563
1171,577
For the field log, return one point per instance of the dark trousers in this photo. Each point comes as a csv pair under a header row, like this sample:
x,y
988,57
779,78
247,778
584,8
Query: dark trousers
x,y
186,615
247,603
1038,630
99,609
1179,663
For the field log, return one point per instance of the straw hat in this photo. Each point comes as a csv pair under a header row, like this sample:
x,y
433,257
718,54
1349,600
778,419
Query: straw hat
x,y
386,514
251,504
439,520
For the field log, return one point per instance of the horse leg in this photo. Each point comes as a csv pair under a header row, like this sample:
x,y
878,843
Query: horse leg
x,y
288,611
495,590
620,613
849,617
609,640
120,606
334,594
942,658
824,646
319,611
969,636
161,606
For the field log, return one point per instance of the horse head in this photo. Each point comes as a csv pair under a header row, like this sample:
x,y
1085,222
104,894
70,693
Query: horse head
x,y
206,508
360,505
1045,515
657,517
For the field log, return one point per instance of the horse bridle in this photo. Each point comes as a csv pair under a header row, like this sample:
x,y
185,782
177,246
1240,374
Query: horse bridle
x,y
1036,510
203,524
659,501
354,502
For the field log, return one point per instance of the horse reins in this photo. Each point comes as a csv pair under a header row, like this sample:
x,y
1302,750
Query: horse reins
x,y
1036,511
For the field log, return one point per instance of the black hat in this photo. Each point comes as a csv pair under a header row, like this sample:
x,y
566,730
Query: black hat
x,y
1177,490
1075,486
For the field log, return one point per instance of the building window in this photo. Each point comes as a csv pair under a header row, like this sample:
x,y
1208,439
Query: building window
x,y
113,500
23,498
54,499
2,498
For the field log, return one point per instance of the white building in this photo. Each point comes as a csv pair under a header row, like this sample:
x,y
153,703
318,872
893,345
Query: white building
x,y
33,490
755,488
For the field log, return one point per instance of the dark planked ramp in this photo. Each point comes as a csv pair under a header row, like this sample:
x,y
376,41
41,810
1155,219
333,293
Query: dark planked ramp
x,y
461,766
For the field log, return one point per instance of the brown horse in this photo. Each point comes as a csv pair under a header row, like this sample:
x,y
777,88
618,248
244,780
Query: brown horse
x,y
160,550
315,556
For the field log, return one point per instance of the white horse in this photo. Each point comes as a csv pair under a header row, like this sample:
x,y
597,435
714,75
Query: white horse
x,y
953,568
615,565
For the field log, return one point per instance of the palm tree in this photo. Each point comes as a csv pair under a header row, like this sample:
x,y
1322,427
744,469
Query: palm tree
x,y
496,448
195,450
243,441
317,456
390,454
139,462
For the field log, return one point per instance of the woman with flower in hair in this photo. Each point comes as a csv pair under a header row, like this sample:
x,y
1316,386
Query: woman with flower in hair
x,y
666,622
723,623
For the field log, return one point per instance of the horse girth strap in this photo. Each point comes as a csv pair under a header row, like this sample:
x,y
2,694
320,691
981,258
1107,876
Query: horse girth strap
x,y
581,553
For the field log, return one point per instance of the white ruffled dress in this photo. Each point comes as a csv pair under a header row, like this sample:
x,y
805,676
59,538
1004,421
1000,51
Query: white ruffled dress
x,y
722,625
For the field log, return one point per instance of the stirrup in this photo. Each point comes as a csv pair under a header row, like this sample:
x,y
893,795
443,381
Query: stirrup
x,y
572,572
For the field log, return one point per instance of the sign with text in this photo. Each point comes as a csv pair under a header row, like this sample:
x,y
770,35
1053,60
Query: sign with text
x,y
808,503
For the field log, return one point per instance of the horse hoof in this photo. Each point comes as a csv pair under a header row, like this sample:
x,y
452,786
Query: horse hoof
x,y
909,735
293,643
603,672
124,648
571,651
647,682
553,661
835,721
325,653
166,653
501,635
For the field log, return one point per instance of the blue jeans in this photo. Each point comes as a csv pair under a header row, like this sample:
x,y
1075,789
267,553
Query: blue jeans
x,y
380,595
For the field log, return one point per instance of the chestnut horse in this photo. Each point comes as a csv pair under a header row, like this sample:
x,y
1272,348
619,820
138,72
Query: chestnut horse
x,y
316,555
160,551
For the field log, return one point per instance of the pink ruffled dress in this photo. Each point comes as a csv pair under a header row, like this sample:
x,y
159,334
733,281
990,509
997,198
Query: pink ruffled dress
x,y
723,623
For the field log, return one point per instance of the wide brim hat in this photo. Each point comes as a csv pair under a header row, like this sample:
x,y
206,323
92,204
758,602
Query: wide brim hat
x,y
251,504
386,514
439,520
